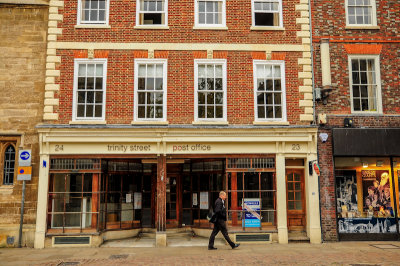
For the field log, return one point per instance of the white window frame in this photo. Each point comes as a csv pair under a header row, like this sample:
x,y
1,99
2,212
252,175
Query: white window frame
x,y
152,25
283,88
376,58
164,62
222,62
373,16
196,12
85,22
75,91
253,17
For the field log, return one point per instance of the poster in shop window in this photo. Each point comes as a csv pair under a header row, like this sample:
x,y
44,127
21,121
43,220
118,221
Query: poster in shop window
x,y
194,199
137,199
346,191
204,200
376,192
252,215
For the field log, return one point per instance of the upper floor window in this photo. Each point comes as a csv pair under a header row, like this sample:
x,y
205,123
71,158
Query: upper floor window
x,y
361,12
9,165
150,90
152,12
365,83
267,13
89,89
210,13
269,91
210,90
93,11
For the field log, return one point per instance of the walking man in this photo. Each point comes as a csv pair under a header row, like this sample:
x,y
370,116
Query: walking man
x,y
219,224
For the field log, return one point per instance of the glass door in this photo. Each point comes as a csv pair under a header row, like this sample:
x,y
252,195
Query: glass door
x,y
172,210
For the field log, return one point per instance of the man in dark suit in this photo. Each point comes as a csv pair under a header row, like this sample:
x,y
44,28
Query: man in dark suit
x,y
219,225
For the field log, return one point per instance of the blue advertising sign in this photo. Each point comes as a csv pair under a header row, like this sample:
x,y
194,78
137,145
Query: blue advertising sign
x,y
252,214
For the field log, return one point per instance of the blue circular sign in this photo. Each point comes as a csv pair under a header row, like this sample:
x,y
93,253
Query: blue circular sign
x,y
21,171
25,155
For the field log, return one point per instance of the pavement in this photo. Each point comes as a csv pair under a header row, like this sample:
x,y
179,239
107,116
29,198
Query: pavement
x,y
335,253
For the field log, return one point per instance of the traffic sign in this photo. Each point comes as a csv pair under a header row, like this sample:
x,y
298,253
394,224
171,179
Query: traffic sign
x,y
24,173
25,158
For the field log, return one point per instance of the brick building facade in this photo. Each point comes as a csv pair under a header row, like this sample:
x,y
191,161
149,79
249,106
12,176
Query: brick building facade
x,y
22,66
153,107
356,48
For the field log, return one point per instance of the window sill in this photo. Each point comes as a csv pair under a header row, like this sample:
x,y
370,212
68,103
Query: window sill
x,y
87,122
92,26
362,27
149,123
151,27
270,123
223,123
210,28
267,28
6,189
366,113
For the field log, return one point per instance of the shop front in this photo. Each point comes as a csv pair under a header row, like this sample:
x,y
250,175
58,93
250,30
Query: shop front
x,y
367,183
97,185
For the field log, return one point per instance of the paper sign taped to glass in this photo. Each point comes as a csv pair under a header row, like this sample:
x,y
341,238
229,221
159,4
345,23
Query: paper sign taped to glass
x,y
252,214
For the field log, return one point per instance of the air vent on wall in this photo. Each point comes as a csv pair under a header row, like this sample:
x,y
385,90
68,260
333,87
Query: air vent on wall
x,y
67,240
253,237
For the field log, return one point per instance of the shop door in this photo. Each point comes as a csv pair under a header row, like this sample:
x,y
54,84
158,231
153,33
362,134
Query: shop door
x,y
296,213
172,201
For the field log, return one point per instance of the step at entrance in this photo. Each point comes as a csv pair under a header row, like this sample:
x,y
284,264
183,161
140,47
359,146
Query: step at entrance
x,y
298,237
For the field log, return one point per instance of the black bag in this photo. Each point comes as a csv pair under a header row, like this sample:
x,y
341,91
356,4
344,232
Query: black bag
x,y
211,217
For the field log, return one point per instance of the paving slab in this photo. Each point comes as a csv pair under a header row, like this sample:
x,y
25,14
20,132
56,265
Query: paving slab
x,y
338,253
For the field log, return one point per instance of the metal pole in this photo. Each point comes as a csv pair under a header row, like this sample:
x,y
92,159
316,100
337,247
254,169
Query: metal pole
x,y
22,215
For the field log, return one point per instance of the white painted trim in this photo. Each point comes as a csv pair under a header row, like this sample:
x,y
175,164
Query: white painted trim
x,y
378,83
197,25
181,46
210,28
373,17
74,98
92,26
224,88
164,62
79,15
267,28
283,87
253,20
151,27
158,26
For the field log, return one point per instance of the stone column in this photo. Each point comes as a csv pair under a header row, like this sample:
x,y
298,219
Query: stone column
x,y
312,190
42,202
161,237
281,199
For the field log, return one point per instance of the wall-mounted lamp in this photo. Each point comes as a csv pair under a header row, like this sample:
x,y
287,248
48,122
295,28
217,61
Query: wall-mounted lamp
x,y
379,163
348,122
365,165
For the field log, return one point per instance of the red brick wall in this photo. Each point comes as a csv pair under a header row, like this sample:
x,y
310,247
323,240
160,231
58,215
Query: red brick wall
x,y
329,21
180,97
122,20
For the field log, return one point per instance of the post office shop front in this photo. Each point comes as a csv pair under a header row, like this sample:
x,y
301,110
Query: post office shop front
x,y
97,187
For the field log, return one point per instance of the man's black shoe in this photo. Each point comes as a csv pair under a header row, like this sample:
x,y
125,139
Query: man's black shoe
x,y
235,246
211,248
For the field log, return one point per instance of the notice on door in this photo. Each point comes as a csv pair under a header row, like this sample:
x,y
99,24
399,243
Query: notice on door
x,y
194,199
137,198
204,200
252,215
128,198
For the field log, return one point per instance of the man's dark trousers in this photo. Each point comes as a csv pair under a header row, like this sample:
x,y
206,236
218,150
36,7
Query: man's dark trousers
x,y
220,226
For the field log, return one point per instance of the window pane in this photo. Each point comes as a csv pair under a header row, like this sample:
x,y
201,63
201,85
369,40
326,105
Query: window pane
x,y
261,111
98,110
261,84
142,71
159,112
81,97
99,97
202,6
219,98
260,98
141,112
210,98
81,110
219,112
99,83
210,84
89,110
201,112
202,98
202,84
150,83
159,84
82,70
159,98
210,111
218,84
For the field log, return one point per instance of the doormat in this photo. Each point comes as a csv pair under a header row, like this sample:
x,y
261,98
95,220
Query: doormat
x,y
385,246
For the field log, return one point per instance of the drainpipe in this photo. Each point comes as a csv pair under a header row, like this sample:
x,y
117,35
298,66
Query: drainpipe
x,y
312,60
314,110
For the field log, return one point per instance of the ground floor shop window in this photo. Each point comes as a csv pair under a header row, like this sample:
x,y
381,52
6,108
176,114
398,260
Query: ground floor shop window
x,y
251,193
73,201
367,194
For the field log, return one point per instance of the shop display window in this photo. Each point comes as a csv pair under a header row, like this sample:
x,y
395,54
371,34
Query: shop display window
x,y
365,192
73,201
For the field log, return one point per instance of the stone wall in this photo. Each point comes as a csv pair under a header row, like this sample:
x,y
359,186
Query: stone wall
x,y
23,31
